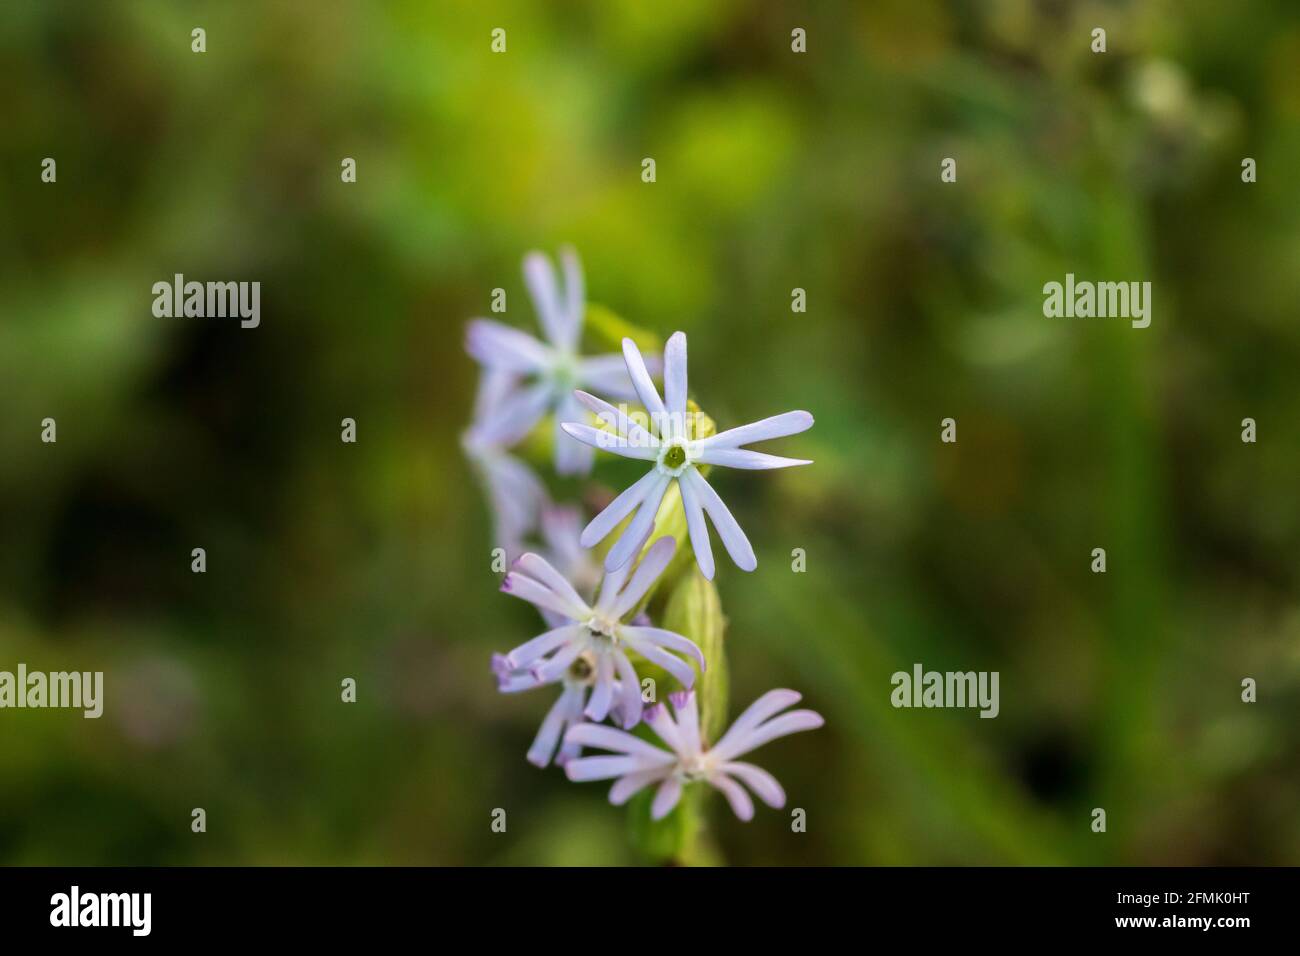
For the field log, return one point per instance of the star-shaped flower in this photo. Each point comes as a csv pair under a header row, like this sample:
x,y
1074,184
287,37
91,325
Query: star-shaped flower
x,y
553,368
676,454
637,764
589,650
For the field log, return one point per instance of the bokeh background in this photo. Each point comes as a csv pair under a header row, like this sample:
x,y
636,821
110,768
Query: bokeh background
x,y
775,170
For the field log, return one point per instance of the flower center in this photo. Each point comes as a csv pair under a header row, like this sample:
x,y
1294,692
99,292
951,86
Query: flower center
x,y
675,456
582,669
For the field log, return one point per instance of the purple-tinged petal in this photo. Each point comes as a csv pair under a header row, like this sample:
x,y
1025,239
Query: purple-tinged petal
x,y
759,780
630,705
602,695
666,797
666,639
657,655
526,653
626,787
522,586
604,768
791,723
541,570
741,805
571,457
548,735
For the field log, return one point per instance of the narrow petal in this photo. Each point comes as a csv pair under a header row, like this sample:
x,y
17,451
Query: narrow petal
x,y
575,295
607,374
778,426
699,532
759,780
675,380
499,346
658,719
649,568
535,593
666,639
548,735
657,655
618,741
541,570
630,704
751,460
608,441
686,706
791,723
557,665
741,805
619,508
733,538
510,421
626,787
617,419
529,651
572,457
602,768
539,276
638,528
645,388
767,706
666,797
602,695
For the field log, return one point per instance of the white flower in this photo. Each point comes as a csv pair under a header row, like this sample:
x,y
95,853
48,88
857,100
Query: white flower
x,y
676,455
553,368
589,650
639,764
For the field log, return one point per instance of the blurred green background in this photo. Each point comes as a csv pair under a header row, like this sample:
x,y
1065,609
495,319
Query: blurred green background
x,y
775,170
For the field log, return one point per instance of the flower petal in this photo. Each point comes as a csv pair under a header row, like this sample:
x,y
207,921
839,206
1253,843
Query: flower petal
x,y
608,441
630,704
602,695
759,780
741,805
534,592
744,458
548,735
733,538
791,723
541,570
571,457
669,792
626,787
529,651
617,420
619,741
539,276
667,639
675,381
601,768
499,346
698,530
619,508
638,528
649,568
645,388
778,426
657,655
607,374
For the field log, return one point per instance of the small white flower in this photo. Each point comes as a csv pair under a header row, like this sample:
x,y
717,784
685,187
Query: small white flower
x,y
553,368
589,650
676,455
639,764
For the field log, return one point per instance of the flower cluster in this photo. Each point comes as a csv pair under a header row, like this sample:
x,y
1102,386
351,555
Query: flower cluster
x,y
600,641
